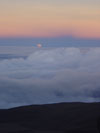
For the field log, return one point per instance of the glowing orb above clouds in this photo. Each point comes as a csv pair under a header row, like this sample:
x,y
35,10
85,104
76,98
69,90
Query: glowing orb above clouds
x,y
39,45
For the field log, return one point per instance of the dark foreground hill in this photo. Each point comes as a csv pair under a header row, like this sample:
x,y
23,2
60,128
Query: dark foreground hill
x,y
52,118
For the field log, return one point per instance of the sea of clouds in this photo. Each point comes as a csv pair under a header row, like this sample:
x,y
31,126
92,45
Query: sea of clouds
x,y
49,76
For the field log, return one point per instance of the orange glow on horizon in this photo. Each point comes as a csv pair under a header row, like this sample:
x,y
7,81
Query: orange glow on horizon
x,y
33,19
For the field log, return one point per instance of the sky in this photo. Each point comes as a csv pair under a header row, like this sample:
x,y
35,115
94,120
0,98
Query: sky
x,y
66,68
50,18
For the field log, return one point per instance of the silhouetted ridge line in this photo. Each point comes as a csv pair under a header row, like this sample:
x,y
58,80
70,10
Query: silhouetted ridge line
x,y
59,117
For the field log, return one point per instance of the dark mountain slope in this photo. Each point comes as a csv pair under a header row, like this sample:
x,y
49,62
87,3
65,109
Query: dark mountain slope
x,y
62,117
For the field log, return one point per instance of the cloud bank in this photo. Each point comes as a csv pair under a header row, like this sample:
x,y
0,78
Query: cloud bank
x,y
51,75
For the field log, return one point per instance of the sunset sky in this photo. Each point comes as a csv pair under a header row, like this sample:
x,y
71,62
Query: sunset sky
x,y
50,18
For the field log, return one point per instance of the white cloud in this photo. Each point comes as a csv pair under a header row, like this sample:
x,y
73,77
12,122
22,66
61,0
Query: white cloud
x,y
51,75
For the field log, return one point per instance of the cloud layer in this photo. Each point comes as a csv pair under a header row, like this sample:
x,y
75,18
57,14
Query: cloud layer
x,y
51,75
